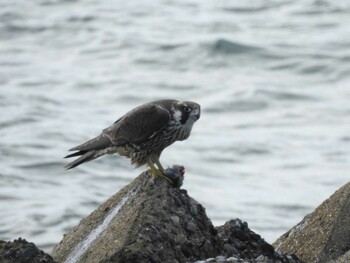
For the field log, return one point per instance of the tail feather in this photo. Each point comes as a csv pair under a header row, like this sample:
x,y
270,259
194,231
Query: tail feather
x,y
97,143
89,150
86,157
79,153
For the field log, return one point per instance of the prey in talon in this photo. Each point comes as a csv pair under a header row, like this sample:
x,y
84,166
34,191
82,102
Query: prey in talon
x,y
176,175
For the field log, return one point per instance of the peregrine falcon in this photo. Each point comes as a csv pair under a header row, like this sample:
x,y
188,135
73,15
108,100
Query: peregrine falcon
x,y
142,134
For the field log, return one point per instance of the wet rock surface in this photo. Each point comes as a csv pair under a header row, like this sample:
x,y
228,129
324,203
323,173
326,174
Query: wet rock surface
x,y
22,251
152,221
235,238
324,235
157,223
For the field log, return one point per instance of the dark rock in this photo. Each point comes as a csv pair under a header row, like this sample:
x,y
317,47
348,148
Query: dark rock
x,y
175,220
22,251
142,230
237,234
151,221
191,227
229,249
324,235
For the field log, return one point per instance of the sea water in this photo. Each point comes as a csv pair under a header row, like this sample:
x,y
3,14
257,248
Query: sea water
x,y
272,77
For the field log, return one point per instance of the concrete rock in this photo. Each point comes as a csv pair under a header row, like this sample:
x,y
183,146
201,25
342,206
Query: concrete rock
x,y
324,235
151,221
143,230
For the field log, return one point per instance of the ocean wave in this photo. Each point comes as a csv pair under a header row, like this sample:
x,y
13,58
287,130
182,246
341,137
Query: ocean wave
x,y
42,166
267,74
238,105
249,7
286,95
224,46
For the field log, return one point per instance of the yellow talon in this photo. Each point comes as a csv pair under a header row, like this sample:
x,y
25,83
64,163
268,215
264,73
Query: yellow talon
x,y
158,172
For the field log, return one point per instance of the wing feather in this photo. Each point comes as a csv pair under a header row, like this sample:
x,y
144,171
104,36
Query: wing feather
x,y
138,125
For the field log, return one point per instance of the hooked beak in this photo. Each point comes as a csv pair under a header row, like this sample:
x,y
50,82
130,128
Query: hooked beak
x,y
196,114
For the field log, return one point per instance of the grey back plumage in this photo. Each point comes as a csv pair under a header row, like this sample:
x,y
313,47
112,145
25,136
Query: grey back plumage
x,y
138,125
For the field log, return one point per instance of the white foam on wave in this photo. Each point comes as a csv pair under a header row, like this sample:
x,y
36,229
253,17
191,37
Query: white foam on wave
x,y
84,245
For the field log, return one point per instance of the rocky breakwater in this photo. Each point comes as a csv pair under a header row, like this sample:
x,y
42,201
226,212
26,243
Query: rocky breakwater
x,y
149,220
324,235
22,251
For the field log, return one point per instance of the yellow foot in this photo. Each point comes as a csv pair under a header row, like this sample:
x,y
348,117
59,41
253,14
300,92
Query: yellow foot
x,y
155,172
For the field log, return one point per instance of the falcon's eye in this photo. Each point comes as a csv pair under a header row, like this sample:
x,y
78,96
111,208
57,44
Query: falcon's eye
x,y
187,109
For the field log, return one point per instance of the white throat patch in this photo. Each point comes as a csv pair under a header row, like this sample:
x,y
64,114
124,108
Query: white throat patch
x,y
177,115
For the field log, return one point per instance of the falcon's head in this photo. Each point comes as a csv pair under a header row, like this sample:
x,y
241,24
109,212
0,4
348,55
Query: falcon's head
x,y
186,112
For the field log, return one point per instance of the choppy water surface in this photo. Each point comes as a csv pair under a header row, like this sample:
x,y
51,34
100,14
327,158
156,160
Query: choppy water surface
x,y
272,78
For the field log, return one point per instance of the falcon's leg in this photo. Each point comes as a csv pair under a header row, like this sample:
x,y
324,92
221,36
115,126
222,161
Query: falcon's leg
x,y
159,165
156,172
